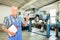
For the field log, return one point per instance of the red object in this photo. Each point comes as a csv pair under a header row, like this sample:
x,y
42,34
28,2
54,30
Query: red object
x,y
17,26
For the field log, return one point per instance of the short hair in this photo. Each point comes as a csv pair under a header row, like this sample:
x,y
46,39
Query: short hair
x,y
14,6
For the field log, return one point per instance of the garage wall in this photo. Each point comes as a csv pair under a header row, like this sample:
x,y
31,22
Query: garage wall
x,y
58,5
51,6
4,11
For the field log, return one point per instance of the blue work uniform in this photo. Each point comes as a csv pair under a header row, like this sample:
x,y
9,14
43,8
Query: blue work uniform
x,y
18,24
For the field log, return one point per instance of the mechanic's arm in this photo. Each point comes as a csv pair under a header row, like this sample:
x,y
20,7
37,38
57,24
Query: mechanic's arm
x,y
5,28
26,22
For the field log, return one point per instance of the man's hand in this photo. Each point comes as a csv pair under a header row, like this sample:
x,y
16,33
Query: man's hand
x,y
7,31
12,33
26,22
27,18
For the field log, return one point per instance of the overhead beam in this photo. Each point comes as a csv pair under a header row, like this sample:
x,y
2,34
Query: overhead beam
x,y
49,3
8,2
28,4
58,4
3,4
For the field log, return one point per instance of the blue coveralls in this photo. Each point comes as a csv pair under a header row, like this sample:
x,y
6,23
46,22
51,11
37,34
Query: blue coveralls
x,y
48,27
29,26
48,30
18,25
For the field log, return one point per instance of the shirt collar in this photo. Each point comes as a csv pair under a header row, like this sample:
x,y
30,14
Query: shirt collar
x,y
14,17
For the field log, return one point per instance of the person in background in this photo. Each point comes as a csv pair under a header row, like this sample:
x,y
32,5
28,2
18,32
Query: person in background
x,y
48,17
57,27
15,20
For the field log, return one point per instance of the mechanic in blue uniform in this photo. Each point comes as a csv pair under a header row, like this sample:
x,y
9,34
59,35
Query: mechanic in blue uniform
x,y
15,20
57,27
48,25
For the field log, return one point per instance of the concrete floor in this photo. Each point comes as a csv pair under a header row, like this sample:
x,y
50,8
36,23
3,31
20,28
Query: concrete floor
x,y
30,35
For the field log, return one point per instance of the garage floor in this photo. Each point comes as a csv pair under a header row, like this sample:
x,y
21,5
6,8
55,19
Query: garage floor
x,y
34,35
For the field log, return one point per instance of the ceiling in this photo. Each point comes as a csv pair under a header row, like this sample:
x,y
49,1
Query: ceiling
x,y
19,3
40,4
26,4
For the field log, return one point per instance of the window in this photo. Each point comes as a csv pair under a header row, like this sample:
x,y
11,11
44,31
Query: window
x,y
53,15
